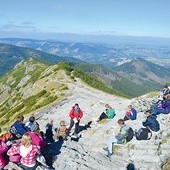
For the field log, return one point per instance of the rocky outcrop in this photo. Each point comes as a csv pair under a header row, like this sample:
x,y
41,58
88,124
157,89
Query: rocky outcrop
x,y
24,81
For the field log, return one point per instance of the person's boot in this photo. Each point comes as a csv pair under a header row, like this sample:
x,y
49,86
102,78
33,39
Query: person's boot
x,y
106,149
109,154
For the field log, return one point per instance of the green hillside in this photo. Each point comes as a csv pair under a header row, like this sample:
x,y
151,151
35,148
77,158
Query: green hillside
x,y
123,86
30,86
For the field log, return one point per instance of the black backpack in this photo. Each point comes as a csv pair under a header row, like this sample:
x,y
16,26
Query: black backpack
x,y
143,134
130,135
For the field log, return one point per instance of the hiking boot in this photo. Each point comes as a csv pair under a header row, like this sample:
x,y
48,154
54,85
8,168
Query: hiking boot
x,y
109,154
76,135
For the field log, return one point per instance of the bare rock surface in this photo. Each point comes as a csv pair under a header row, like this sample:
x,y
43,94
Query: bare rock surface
x,y
87,153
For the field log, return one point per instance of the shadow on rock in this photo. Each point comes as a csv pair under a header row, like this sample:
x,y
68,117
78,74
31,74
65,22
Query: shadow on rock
x,y
85,127
51,151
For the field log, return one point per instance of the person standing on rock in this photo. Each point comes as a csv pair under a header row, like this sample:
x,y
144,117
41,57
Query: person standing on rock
x,y
75,114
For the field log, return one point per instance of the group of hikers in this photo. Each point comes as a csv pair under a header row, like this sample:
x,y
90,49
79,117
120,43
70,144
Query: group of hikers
x,y
151,124
25,144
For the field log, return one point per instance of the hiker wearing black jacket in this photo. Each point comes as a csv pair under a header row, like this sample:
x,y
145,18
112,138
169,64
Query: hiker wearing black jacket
x,y
151,121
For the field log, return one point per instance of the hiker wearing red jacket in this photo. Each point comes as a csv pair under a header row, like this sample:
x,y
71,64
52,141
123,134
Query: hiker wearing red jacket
x,y
75,114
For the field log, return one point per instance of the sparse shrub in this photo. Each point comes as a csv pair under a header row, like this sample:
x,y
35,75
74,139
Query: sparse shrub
x,y
65,87
65,66
72,77
4,121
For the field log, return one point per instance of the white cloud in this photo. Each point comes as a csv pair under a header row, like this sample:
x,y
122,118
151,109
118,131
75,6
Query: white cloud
x,y
23,26
28,23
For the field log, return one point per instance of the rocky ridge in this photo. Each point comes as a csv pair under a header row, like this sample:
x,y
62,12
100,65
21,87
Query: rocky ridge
x,y
87,153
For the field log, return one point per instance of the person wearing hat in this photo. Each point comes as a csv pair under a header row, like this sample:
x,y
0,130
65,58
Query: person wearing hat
x,y
151,121
35,135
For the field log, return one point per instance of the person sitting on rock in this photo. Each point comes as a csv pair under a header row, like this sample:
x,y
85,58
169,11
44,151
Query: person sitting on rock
x,y
120,138
49,132
151,121
110,113
3,149
164,92
61,133
164,107
5,136
18,129
30,123
35,135
75,114
131,113
27,151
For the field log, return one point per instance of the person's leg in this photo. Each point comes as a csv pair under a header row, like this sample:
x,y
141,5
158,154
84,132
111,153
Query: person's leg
x,y
76,128
157,111
111,140
102,116
70,127
28,168
125,118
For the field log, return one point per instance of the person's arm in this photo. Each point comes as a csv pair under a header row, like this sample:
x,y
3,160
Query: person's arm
x,y
14,150
71,114
3,147
42,143
121,135
146,123
80,114
133,114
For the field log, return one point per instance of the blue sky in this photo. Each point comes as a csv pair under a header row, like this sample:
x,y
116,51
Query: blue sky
x,y
45,18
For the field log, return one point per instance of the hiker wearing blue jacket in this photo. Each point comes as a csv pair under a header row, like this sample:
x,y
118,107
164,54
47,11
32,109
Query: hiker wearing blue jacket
x,y
20,126
151,122
131,113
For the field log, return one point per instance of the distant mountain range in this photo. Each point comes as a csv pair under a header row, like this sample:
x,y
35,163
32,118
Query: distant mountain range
x,y
10,55
130,76
142,72
107,54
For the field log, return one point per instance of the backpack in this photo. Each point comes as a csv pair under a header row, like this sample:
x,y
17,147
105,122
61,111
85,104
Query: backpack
x,y
143,134
130,135
14,132
63,133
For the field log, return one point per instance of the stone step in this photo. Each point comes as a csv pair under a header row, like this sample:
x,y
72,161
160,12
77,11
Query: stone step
x,y
146,158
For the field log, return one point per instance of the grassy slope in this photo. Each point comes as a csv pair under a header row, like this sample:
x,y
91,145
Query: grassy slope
x,y
44,87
